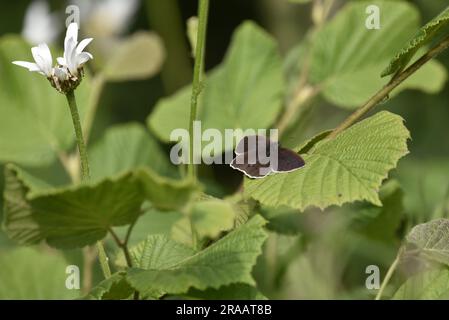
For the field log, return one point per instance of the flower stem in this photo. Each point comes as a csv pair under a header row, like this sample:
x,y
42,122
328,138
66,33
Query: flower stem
x,y
197,73
382,94
85,173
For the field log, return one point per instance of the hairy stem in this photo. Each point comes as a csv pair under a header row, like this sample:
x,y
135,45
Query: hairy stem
x,y
85,173
197,85
382,94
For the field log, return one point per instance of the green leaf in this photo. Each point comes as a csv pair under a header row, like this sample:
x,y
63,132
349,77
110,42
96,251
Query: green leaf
x,y
227,261
230,292
113,288
429,285
127,147
425,35
75,216
348,168
27,273
432,240
138,57
347,58
70,217
163,193
35,120
158,252
152,222
207,218
249,80
380,223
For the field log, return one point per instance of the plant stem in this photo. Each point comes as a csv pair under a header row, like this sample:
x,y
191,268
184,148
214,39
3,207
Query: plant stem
x,y
304,91
382,94
102,256
124,246
85,173
197,71
389,275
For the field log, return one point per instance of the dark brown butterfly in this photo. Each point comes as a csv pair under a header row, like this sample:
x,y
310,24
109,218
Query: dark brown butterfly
x,y
257,157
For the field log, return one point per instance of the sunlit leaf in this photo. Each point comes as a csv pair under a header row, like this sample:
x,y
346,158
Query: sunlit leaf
x,y
432,240
347,168
428,285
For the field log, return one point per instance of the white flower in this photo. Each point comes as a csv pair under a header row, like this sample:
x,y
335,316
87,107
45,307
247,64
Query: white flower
x,y
74,57
43,61
40,25
67,75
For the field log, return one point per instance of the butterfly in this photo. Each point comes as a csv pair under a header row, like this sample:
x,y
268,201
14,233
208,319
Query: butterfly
x,y
257,157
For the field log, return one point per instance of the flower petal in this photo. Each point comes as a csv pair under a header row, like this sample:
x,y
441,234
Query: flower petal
x,y
72,33
83,44
61,61
37,55
70,55
48,59
83,57
29,65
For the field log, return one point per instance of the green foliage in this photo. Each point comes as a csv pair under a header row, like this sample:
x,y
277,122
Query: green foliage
x,y
227,261
347,58
347,168
185,243
113,288
33,214
69,217
249,80
27,273
432,240
137,57
29,103
425,35
230,292
126,147
208,219
381,223
429,285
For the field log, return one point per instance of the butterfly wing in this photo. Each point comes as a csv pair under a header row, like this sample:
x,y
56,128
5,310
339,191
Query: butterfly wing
x,y
252,170
288,161
251,144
